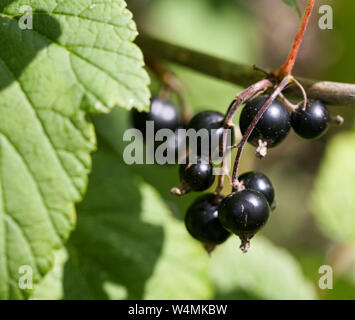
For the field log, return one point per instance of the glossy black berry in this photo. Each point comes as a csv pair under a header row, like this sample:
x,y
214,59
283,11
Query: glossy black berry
x,y
212,121
163,113
273,127
259,182
196,176
202,221
244,213
312,122
205,119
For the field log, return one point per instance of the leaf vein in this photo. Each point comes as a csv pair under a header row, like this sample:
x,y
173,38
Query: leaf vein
x,y
34,179
40,122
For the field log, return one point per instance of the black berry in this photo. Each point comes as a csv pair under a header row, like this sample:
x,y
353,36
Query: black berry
x,y
163,113
196,176
259,182
244,213
312,122
202,221
212,121
273,127
205,119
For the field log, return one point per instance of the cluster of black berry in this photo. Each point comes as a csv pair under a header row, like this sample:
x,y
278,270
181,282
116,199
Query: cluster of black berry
x,y
309,122
196,172
212,218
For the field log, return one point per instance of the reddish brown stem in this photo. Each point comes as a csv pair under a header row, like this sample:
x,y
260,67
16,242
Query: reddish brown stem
x,y
287,68
288,79
240,99
287,103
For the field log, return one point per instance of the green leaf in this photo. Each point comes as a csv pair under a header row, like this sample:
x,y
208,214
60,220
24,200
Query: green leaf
x,y
50,287
333,202
294,5
265,272
79,57
127,245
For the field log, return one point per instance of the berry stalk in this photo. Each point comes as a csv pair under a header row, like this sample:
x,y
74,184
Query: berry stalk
x,y
287,80
172,83
240,99
287,67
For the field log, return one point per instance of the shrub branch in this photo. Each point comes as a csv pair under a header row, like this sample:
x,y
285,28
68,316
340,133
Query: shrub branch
x,y
331,93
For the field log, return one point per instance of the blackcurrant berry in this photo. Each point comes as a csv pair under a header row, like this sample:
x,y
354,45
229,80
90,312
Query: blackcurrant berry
x,y
202,221
273,127
312,122
196,176
259,182
204,119
163,113
213,122
244,213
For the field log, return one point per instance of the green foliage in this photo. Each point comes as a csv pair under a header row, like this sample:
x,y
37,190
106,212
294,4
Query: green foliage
x,y
235,275
333,202
127,245
294,5
231,35
266,272
78,58
129,240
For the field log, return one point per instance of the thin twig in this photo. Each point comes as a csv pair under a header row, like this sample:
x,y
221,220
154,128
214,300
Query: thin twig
x,y
240,99
305,99
288,103
172,83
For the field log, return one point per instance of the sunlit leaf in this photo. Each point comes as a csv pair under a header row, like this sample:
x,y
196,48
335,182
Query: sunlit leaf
x,y
78,58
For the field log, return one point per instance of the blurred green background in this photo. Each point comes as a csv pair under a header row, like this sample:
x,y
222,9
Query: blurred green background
x,y
314,223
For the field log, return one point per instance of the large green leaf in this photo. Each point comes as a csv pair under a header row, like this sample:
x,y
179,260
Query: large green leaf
x,y
127,245
265,272
79,57
333,202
